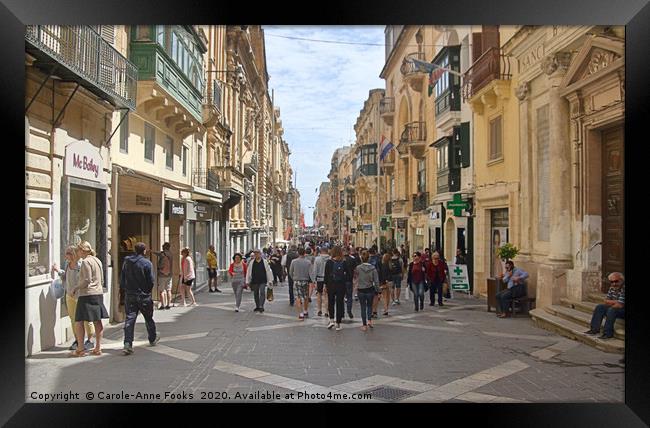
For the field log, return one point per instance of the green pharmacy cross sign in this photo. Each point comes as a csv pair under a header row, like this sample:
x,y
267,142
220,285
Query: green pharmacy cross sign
x,y
458,270
385,222
458,205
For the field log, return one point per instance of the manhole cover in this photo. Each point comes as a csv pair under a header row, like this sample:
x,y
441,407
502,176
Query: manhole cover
x,y
387,393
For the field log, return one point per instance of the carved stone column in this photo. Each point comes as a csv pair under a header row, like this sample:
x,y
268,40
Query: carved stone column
x,y
555,67
522,92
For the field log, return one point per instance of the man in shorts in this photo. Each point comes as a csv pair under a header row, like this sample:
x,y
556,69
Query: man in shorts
x,y
319,276
302,274
165,276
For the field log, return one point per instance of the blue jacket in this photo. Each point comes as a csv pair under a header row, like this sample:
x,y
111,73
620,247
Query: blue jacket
x,y
137,275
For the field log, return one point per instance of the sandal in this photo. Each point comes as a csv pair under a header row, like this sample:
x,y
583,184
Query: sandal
x,y
78,353
96,352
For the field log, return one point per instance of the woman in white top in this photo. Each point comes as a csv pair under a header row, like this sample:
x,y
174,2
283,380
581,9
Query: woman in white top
x,y
187,276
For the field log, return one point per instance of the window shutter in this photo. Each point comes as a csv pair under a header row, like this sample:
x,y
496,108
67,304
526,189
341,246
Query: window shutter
x,y
455,153
498,141
490,37
466,155
108,33
477,49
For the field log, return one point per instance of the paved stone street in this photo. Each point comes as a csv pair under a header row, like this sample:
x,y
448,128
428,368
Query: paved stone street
x,y
458,353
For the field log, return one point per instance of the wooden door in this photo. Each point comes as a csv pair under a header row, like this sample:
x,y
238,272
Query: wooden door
x,y
613,202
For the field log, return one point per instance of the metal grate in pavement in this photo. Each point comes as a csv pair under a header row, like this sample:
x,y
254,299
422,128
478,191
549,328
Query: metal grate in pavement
x,y
388,393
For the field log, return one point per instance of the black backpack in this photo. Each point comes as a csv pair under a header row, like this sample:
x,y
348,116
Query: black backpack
x,y
395,266
339,271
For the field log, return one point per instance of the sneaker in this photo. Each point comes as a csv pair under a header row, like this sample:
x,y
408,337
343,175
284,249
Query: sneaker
x,y
306,314
320,314
156,340
167,307
237,309
394,303
128,349
88,345
350,315
590,331
397,301
338,327
386,313
73,347
301,317
210,291
217,290
261,309
330,325
440,304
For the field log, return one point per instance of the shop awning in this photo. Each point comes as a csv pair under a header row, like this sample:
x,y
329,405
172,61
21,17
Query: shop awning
x,y
203,195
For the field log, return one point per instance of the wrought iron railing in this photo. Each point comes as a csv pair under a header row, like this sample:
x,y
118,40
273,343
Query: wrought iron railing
x,y
212,94
387,105
206,179
420,201
414,132
408,68
492,65
82,50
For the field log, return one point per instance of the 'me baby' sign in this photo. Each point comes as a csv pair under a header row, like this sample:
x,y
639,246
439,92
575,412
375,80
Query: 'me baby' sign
x,y
83,160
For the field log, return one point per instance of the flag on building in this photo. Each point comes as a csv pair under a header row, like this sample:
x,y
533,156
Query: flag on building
x,y
385,146
434,76
421,66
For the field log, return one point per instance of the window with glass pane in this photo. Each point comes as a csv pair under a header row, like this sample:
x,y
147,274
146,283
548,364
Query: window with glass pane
x,y
38,233
160,35
169,153
495,139
149,142
184,161
124,132
174,51
422,175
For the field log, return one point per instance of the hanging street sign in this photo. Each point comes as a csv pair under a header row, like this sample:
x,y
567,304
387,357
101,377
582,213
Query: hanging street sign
x,y
458,205
459,280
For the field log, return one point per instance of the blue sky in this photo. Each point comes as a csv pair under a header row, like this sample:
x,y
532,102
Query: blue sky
x,y
320,89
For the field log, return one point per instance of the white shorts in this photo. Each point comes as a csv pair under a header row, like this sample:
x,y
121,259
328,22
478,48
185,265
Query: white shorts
x,y
164,283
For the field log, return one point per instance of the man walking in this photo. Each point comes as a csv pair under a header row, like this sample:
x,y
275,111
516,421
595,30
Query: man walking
x,y
319,276
258,275
165,276
302,275
136,281
291,255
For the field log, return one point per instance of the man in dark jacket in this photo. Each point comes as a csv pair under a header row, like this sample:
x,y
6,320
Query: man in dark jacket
x,y
353,260
136,282
291,255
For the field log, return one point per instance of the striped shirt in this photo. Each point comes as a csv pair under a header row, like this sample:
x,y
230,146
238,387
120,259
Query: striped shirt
x,y
616,294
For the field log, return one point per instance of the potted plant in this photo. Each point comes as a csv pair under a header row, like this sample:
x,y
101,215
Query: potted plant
x,y
507,252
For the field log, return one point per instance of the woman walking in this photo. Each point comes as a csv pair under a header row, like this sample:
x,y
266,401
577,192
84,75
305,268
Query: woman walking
x,y
337,274
70,277
436,275
211,258
187,275
416,279
237,272
385,281
90,303
367,279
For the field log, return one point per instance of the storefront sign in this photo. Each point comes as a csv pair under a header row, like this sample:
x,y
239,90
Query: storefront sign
x,y
200,209
83,160
367,227
177,209
457,205
459,280
139,195
400,223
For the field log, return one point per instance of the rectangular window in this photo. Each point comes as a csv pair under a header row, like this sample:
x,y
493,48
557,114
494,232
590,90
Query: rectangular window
x,y
422,176
38,240
174,51
495,139
124,132
169,153
160,35
543,174
149,142
184,161
199,156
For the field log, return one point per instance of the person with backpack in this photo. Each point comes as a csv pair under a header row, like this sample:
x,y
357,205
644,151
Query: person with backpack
x,y
291,255
337,275
367,280
353,262
417,276
319,276
396,271
165,276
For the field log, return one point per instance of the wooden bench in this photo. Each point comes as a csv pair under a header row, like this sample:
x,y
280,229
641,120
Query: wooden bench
x,y
528,301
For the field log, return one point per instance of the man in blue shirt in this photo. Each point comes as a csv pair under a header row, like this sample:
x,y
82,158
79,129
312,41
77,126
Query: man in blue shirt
x,y
516,280
614,307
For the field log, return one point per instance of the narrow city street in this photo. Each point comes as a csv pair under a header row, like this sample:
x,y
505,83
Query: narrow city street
x,y
457,353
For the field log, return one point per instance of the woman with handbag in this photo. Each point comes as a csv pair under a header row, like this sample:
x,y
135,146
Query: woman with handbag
x,y
416,280
367,280
187,276
237,272
90,301
70,277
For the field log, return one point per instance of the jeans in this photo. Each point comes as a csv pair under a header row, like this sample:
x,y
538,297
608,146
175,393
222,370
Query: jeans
x,y
435,286
291,297
259,291
610,314
504,297
348,296
238,289
134,303
365,299
336,294
418,295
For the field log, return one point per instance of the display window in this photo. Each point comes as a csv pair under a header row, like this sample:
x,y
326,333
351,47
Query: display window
x,y
134,228
198,241
83,216
38,242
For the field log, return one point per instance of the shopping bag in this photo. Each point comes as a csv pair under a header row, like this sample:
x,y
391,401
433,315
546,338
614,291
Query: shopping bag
x,y
57,288
269,294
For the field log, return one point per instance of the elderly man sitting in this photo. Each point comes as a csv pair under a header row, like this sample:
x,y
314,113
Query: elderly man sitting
x,y
614,307
516,280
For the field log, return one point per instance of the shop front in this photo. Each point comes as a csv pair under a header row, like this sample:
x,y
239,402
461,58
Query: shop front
x,y
198,233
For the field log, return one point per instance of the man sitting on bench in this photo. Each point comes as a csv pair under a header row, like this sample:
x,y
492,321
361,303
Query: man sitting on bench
x,y
516,280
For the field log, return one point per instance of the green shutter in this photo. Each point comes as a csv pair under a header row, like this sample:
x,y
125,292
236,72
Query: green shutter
x,y
464,145
455,154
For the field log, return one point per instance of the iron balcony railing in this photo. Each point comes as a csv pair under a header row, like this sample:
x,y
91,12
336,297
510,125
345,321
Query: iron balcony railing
x,y
206,179
492,65
386,106
407,67
212,94
420,201
414,132
83,51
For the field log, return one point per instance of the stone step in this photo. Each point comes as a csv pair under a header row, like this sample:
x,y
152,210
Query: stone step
x,y
566,328
595,297
582,318
588,308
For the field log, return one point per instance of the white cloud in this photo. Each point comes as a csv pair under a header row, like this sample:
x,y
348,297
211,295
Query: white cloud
x,y
320,89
